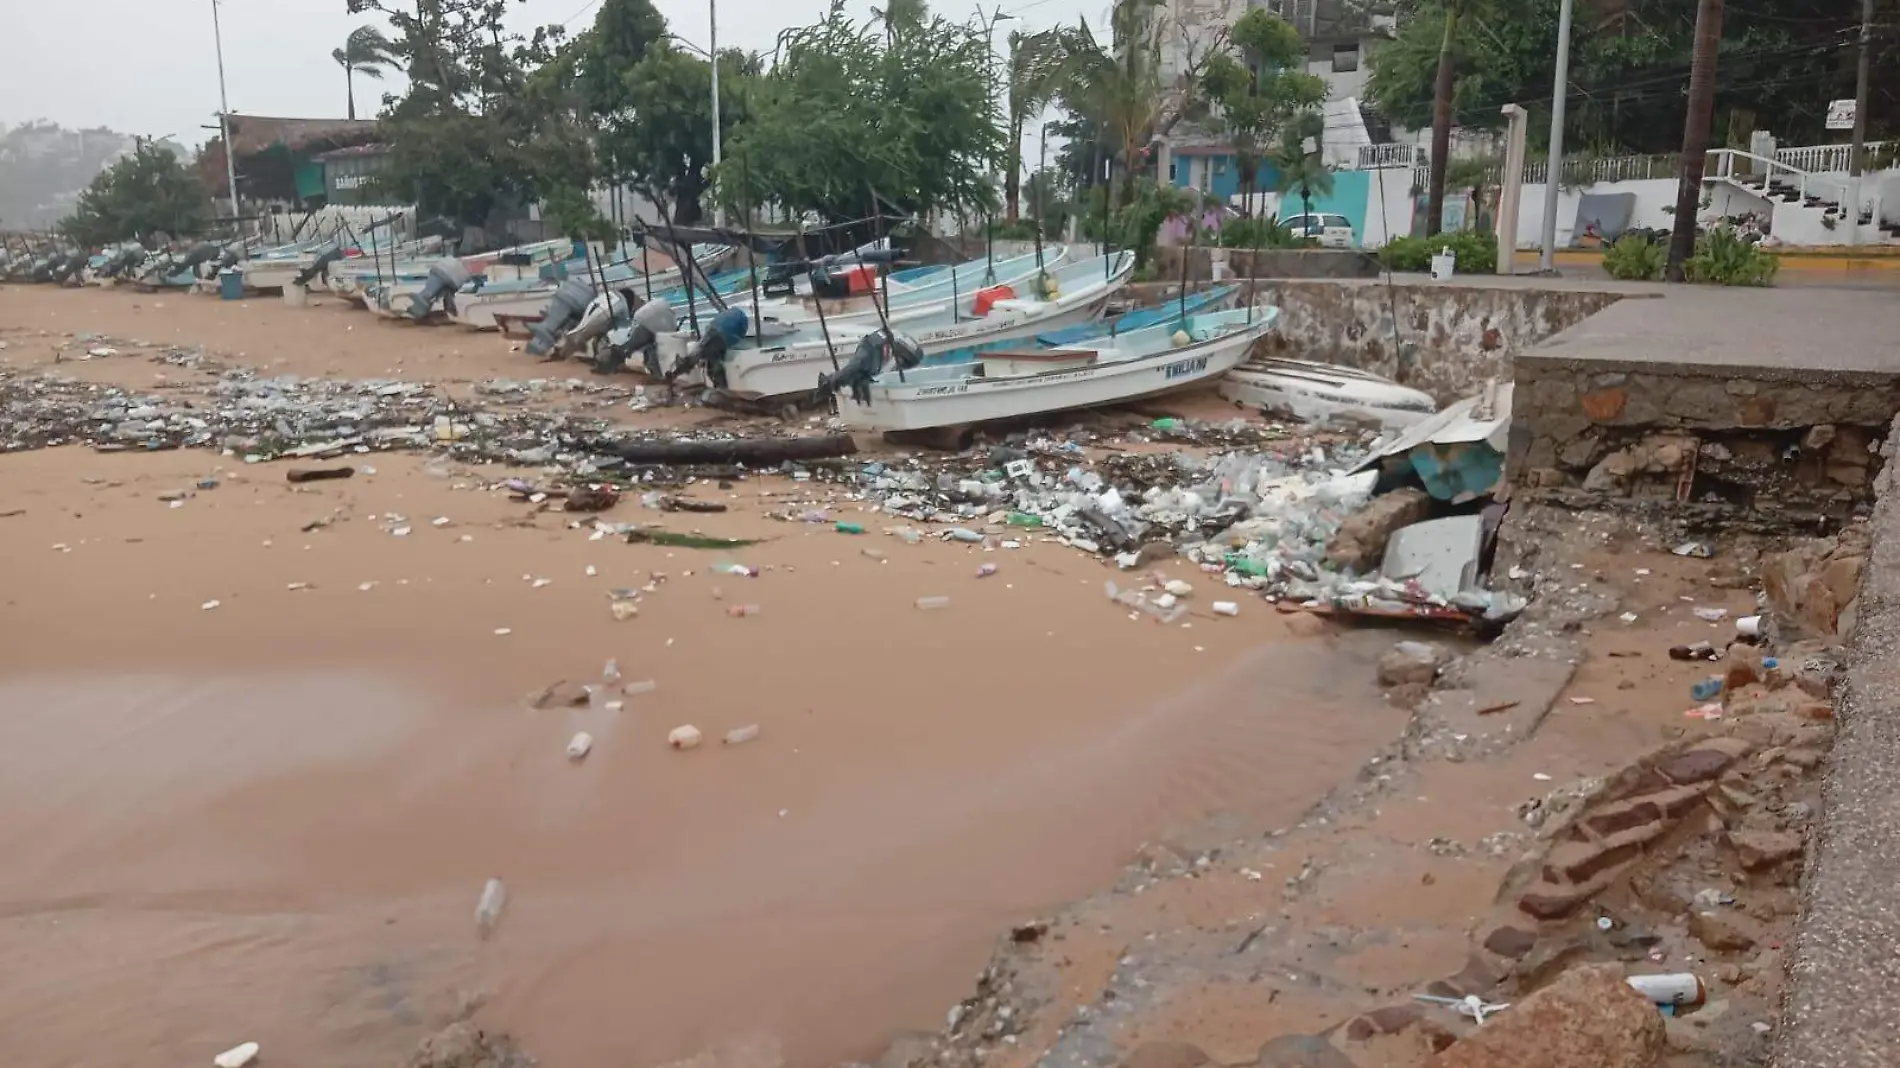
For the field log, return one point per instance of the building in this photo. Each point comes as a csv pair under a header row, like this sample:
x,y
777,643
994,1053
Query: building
x,y
277,157
349,173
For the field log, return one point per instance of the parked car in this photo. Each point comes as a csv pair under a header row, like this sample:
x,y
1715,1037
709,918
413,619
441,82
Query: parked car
x,y
1330,230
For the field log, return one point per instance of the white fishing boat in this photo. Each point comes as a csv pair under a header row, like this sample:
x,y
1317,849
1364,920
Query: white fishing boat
x,y
1003,384
1069,294
1325,394
479,307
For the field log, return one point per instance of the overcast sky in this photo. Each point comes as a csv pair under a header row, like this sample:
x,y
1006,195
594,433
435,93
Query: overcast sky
x,y
150,67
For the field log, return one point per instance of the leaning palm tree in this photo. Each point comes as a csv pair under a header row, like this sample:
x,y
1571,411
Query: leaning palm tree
x,y
366,52
1037,67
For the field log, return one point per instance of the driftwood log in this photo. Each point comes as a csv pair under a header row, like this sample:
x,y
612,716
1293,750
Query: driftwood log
x,y
754,452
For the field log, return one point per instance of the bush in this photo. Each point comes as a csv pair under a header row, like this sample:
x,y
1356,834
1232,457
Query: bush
x,y
1635,258
1477,253
1722,258
1261,233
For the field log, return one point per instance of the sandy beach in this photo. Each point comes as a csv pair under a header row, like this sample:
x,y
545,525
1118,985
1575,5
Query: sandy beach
x,y
270,819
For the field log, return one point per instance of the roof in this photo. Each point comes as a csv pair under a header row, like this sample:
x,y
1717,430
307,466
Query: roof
x,y
374,148
251,134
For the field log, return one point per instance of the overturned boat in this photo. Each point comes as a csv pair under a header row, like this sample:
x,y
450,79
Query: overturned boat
x,y
1325,394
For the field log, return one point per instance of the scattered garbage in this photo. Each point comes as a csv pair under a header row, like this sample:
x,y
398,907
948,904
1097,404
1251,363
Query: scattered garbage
x,y
986,570
742,735
635,689
683,737
931,603
488,907
1701,550
237,1056
849,528
1697,651
623,609
1225,608
741,611
1748,626
1471,1005
1710,615
317,474
1678,988
579,745
208,606
1706,689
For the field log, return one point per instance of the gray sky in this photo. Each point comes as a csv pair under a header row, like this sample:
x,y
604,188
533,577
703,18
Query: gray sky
x,y
149,66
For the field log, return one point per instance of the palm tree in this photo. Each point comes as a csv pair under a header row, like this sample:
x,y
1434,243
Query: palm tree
x,y
366,52
1300,167
1037,67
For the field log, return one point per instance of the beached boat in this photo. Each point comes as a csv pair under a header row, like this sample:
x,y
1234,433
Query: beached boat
x,y
1004,384
1071,294
477,308
1323,393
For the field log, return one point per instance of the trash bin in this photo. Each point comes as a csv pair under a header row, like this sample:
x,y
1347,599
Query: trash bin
x,y
296,296
231,284
1444,263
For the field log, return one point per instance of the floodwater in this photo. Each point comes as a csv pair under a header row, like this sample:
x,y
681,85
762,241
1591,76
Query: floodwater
x,y
270,821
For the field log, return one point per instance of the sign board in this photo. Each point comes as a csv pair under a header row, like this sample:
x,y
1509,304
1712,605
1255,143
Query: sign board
x,y
1840,115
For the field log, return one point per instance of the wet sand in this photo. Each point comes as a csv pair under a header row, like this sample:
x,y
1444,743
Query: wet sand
x,y
271,820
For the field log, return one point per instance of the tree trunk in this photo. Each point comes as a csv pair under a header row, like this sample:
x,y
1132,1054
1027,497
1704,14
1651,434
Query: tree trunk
x,y
1695,134
1441,129
1013,180
349,81
734,450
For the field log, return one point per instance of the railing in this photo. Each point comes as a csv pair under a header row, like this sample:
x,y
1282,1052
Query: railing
x,y
1390,154
1823,157
1589,170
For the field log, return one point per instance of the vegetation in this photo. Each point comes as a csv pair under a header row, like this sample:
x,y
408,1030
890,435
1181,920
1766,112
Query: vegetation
x,y
367,52
1261,233
1297,159
147,193
1261,94
1635,258
1722,258
1476,253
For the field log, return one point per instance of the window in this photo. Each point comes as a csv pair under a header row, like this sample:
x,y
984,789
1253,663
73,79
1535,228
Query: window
x,y
1220,165
1174,168
1345,58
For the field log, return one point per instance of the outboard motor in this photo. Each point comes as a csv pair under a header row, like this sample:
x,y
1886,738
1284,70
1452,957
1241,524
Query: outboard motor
x,y
852,274
868,362
445,278
641,335
570,301
728,328
320,267
66,271
123,260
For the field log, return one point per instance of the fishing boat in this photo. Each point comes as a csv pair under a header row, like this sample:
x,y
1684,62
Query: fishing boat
x,y
478,307
1324,393
1004,384
994,316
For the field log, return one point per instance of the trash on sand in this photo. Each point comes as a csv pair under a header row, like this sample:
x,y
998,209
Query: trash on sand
x,y
1678,988
1702,550
742,735
1583,700
1710,615
1709,711
963,534
849,528
237,1056
986,571
1470,1005
503,632
1698,651
928,603
740,611
1225,608
597,497
688,504
683,737
610,674
624,610
1706,689
317,474
208,606
635,689
648,536
578,746
488,908
1178,588
1748,626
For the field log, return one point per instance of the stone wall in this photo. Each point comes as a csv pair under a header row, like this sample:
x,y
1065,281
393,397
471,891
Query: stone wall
x,y
1266,263
1766,441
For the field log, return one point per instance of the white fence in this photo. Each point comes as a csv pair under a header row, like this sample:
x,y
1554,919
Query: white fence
x,y
1586,170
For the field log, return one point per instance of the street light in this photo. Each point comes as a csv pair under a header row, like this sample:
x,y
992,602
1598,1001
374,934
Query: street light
x,y
224,116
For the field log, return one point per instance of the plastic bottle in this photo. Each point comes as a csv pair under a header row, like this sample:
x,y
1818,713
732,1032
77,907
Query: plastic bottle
x,y
1022,519
579,745
963,534
1707,689
635,689
740,611
849,528
685,736
986,571
929,603
1680,988
488,909
873,554
610,675
1226,608
742,735
237,1056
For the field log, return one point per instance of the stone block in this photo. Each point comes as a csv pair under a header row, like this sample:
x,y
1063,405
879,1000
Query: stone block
x,y
1588,1018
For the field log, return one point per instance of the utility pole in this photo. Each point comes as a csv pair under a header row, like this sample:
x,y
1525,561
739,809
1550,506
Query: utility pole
x,y
1857,155
1441,128
712,56
1695,134
224,117
1547,259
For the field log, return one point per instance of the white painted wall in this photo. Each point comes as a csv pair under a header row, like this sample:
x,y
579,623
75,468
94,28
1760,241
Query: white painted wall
x,y
1388,206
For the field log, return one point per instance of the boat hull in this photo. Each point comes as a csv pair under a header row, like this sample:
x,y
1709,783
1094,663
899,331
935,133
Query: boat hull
x,y
925,405
1325,394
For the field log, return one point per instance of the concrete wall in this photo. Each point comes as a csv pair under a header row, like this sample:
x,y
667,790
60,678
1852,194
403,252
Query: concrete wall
x,y
1445,340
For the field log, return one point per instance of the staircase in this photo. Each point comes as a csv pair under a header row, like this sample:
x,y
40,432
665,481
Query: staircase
x,y
1805,208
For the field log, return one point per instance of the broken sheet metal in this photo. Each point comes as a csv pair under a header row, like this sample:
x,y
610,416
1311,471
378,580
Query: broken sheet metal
x,y
1458,454
1441,555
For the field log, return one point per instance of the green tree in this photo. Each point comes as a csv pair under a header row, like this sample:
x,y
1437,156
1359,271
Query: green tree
x,y
367,52
848,110
147,192
1297,158
1259,88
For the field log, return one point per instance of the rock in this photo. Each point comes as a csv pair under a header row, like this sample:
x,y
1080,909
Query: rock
x,y
1360,541
461,1045
1588,1018
1710,758
1810,588
1762,849
1412,663
1301,1051
1387,1021
1512,942
907,1050
1725,929
1166,1055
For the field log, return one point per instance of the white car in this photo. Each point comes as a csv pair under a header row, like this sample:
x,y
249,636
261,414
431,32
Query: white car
x,y
1331,231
